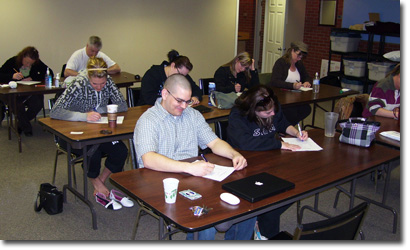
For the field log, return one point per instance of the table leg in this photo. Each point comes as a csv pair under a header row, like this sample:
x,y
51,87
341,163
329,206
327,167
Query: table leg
x,y
84,196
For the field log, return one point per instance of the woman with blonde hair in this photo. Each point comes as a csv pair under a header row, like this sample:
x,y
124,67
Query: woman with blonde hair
x,y
85,100
237,75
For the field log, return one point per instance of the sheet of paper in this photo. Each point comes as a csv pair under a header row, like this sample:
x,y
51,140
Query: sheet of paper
x,y
219,173
391,134
104,120
308,145
305,89
4,85
28,82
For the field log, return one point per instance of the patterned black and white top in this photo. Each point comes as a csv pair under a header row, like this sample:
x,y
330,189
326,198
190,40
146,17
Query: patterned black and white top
x,y
80,97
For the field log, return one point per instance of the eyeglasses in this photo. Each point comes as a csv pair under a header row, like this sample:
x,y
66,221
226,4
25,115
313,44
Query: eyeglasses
x,y
300,54
180,101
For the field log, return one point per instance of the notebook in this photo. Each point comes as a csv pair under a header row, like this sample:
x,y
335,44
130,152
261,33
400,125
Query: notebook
x,y
257,187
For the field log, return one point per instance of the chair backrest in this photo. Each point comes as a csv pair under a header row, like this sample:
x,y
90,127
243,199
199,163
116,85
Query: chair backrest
x,y
351,106
203,84
264,78
62,70
134,96
345,226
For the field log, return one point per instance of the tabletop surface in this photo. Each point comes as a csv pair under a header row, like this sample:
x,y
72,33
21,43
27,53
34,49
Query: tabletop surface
x,y
122,79
308,170
287,97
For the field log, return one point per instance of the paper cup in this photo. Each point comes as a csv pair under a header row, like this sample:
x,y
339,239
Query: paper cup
x,y
170,189
112,108
112,120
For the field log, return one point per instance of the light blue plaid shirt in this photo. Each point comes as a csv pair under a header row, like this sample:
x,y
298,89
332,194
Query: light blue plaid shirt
x,y
176,137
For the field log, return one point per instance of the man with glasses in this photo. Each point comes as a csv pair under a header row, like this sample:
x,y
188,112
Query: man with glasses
x,y
171,131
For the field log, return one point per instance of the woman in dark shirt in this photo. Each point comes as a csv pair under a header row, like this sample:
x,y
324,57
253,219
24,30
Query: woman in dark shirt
x,y
290,73
26,66
236,75
254,123
153,80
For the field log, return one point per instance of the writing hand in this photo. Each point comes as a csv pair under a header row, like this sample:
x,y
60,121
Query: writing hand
x,y
303,137
18,76
297,85
201,168
93,116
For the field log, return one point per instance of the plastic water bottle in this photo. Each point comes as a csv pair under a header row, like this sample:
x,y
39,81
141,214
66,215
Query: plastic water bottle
x,y
316,83
48,80
57,80
211,89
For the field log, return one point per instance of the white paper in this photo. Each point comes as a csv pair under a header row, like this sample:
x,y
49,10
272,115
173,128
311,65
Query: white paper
x,y
219,173
308,145
305,89
28,82
104,120
4,85
391,134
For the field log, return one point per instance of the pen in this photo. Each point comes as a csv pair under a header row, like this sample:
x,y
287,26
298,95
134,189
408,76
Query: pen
x,y
300,131
203,157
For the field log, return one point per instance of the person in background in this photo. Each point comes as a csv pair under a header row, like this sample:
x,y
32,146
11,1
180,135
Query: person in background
x,y
288,72
85,100
254,124
78,60
237,75
153,80
26,66
171,131
384,100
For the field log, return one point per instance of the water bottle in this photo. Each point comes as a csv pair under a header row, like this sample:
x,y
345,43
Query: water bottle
x,y
48,81
211,89
316,83
57,80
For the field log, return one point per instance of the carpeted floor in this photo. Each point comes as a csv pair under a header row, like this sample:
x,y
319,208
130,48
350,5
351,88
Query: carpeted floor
x,y
22,173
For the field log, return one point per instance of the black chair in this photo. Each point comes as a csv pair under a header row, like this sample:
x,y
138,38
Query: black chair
x,y
345,226
62,70
133,96
203,84
264,78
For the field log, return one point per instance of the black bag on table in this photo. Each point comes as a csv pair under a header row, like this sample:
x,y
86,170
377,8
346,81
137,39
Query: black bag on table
x,y
50,199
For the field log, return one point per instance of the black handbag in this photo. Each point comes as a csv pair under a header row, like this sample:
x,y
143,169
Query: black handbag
x,y
50,199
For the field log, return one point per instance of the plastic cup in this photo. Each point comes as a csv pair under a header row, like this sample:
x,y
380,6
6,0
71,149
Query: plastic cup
x,y
170,189
112,108
330,123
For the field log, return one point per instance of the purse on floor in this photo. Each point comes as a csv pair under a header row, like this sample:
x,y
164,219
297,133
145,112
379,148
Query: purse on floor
x,y
50,199
358,131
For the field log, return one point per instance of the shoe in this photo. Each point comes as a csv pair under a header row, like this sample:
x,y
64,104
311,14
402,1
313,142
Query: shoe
x,y
28,133
109,204
120,197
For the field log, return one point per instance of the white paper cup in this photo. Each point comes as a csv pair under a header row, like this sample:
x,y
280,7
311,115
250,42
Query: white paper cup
x,y
330,123
170,189
112,108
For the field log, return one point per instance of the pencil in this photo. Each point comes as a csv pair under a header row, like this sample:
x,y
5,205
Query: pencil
x,y
16,70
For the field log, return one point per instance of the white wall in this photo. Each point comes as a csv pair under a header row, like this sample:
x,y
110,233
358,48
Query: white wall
x,y
135,33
